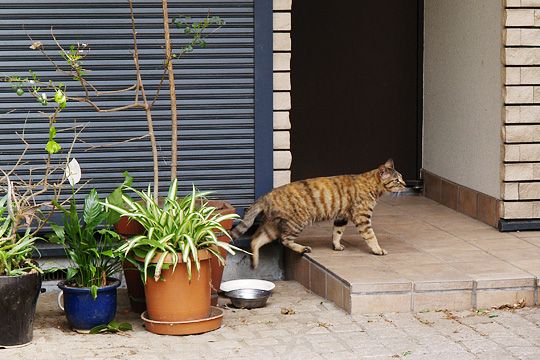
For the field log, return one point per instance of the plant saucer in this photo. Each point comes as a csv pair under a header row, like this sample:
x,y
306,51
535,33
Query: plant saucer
x,y
188,327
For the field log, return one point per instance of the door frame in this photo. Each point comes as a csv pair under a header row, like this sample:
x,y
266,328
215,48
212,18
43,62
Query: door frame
x,y
264,107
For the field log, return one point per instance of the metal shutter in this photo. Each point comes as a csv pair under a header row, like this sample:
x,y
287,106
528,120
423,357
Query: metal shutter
x,y
215,91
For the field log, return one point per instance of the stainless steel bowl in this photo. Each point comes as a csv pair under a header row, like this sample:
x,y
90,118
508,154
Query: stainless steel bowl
x,y
248,298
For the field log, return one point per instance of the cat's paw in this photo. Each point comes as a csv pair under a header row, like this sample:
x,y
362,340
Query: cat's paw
x,y
339,247
306,249
380,251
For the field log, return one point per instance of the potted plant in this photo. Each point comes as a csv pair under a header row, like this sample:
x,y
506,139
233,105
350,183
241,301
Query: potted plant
x,y
174,253
20,279
89,290
25,207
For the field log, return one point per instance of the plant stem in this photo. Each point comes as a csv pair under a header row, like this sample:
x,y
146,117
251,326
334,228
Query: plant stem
x,y
147,108
172,90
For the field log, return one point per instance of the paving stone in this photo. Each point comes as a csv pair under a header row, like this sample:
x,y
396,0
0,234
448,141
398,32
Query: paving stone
x,y
315,332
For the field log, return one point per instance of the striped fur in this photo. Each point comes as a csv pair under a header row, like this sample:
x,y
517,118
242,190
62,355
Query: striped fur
x,y
287,210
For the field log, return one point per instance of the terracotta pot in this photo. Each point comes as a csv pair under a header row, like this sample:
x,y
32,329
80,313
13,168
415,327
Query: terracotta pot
x,y
128,227
224,208
134,284
135,287
174,298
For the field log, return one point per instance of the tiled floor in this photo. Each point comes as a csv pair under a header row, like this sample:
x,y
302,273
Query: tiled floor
x,y
437,259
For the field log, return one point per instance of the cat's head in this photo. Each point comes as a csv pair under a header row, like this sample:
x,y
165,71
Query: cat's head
x,y
391,180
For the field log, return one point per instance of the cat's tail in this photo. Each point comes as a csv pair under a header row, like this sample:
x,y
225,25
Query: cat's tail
x,y
248,220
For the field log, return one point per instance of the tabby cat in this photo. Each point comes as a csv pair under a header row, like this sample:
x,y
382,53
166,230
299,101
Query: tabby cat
x,y
288,209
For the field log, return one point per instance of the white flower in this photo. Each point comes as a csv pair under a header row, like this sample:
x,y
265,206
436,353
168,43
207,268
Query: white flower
x,y
73,172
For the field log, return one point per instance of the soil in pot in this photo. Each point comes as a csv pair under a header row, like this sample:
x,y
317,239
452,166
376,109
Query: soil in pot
x,y
18,298
83,312
175,298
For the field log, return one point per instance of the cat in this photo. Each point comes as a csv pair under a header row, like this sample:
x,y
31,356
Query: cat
x,y
286,210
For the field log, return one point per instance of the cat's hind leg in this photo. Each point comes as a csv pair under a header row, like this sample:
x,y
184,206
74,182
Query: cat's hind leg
x,y
264,235
289,232
337,233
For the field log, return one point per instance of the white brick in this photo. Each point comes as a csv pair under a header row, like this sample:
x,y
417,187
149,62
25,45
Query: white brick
x,y
512,114
282,81
519,17
536,17
511,152
517,210
529,191
536,94
281,120
513,3
282,42
513,36
282,4
519,94
536,171
282,61
282,140
281,177
529,37
282,100
522,56
282,21
522,133
529,3
529,75
529,114
516,172
513,75
510,191
282,160
529,152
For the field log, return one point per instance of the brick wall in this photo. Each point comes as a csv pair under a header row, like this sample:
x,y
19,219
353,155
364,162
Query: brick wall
x,y
282,91
521,132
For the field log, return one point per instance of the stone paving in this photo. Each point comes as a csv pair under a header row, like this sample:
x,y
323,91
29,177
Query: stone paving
x,y
297,324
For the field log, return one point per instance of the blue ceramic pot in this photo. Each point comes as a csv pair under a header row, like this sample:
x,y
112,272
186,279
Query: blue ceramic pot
x,y
82,311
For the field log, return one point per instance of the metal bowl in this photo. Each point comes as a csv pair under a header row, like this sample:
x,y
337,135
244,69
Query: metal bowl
x,y
248,298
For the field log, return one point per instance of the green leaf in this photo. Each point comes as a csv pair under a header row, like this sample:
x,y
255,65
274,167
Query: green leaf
x,y
93,210
93,291
59,232
52,147
52,132
71,273
125,326
112,327
99,329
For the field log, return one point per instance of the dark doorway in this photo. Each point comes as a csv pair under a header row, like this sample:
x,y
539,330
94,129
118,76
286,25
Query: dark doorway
x,y
356,80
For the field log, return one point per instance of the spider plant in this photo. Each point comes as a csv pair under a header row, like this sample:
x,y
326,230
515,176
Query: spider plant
x,y
15,250
89,243
175,231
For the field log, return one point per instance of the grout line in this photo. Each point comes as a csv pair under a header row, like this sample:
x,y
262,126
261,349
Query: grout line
x,y
536,291
413,290
474,294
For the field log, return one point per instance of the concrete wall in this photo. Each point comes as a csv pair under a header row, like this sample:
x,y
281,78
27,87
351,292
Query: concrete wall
x,y
463,92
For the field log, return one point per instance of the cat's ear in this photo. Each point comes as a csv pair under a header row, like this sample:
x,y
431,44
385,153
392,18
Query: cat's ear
x,y
383,171
389,164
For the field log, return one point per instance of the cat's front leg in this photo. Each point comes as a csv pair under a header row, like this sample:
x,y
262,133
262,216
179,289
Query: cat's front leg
x,y
363,224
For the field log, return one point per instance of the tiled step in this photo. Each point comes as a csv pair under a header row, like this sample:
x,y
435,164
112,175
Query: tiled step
x,y
438,259
357,297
